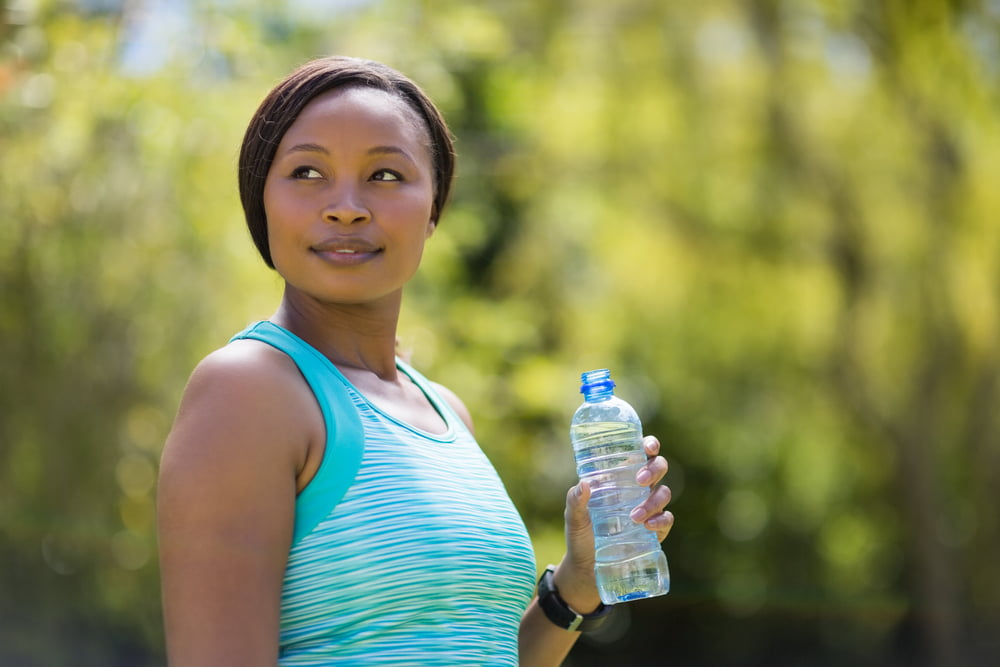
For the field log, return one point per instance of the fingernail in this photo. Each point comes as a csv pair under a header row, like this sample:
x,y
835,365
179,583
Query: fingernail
x,y
643,476
637,514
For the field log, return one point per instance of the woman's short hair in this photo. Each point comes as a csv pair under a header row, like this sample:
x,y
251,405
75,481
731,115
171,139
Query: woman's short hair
x,y
285,102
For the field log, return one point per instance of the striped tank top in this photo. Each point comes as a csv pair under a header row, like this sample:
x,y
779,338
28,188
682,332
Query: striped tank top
x,y
407,549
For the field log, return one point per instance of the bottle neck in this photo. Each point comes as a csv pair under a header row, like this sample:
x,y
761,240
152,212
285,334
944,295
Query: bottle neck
x,y
597,386
597,395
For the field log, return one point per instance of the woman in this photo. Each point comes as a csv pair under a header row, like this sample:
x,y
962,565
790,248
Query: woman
x,y
320,502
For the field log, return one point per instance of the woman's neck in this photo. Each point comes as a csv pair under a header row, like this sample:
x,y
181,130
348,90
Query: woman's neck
x,y
359,337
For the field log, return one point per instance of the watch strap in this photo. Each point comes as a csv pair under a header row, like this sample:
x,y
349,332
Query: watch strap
x,y
561,614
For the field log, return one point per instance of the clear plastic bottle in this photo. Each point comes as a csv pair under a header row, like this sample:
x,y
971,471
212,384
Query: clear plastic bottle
x,y
607,440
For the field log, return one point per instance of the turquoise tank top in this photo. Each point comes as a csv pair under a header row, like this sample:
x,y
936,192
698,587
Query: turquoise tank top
x,y
407,549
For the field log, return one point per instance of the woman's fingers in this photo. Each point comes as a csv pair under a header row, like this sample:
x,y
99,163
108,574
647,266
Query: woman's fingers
x,y
656,466
661,523
651,444
652,472
651,512
653,505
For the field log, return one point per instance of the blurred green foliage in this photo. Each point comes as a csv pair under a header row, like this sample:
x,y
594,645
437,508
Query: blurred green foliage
x,y
775,220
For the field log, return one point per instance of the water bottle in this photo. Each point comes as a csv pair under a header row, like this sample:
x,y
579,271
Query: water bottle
x,y
607,440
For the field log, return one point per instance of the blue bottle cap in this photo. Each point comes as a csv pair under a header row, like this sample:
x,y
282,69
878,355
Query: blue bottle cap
x,y
598,381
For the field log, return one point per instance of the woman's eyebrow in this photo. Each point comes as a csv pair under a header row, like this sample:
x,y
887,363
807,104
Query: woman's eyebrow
x,y
393,150
307,148
374,150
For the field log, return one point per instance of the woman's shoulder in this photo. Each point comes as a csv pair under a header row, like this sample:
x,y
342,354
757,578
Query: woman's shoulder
x,y
247,397
452,399
242,374
244,363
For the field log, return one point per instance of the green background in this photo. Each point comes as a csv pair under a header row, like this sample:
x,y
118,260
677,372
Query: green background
x,y
774,220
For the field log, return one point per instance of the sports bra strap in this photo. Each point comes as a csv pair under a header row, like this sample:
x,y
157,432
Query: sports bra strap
x,y
345,436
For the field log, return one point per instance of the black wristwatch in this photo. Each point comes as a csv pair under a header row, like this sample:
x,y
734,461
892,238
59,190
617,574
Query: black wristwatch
x,y
561,614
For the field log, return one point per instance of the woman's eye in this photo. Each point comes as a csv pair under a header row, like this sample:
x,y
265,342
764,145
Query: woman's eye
x,y
305,173
386,175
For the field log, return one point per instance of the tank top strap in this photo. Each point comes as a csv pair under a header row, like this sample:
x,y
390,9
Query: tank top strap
x,y
345,439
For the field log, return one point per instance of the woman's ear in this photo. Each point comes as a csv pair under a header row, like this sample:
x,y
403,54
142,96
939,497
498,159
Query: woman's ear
x,y
431,226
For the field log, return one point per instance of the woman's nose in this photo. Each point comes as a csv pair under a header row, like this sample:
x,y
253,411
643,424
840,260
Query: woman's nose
x,y
346,207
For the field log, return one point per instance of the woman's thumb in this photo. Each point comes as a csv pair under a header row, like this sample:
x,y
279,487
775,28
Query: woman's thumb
x,y
576,504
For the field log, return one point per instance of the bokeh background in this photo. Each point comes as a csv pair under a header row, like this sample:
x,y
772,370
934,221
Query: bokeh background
x,y
774,220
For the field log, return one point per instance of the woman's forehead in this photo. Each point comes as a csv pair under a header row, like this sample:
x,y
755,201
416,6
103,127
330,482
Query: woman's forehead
x,y
356,108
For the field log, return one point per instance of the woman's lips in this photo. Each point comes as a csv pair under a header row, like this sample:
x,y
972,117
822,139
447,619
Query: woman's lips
x,y
347,251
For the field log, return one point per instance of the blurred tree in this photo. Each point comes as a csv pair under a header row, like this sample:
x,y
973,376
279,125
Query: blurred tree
x,y
772,219
104,242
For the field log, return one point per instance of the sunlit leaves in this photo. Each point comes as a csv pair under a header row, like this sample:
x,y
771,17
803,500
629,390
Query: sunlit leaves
x,y
774,221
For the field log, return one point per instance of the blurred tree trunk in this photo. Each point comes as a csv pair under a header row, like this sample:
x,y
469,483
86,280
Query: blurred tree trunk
x,y
914,425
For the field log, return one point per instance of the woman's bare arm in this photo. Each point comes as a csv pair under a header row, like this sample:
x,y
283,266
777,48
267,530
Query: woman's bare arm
x,y
226,504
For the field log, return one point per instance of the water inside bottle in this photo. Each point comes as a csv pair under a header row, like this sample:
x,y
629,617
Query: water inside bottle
x,y
608,457
629,561
642,575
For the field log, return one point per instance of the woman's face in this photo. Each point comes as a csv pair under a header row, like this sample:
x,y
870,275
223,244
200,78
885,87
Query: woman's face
x,y
349,197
